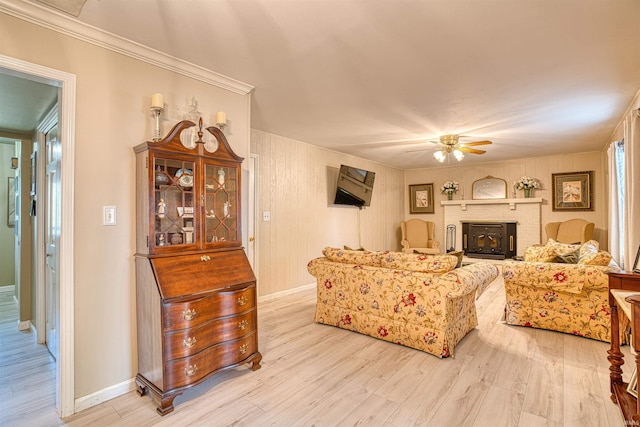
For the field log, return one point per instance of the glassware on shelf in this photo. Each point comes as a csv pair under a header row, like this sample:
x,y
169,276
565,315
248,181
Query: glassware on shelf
x,y
221,175
161,177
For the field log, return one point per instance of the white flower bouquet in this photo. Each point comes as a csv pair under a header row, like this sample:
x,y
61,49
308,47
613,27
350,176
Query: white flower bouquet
x,y
450,187
527,183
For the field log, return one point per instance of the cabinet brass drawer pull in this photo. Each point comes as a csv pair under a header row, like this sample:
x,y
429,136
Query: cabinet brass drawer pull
x,y
189,314
242,300
190,370
205,258
244,348
243,325
189,342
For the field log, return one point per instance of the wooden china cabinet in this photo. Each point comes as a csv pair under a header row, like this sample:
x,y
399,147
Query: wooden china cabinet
x,y
195,289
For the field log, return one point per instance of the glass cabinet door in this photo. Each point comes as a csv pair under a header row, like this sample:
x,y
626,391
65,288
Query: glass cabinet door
x,y
220,201
174,191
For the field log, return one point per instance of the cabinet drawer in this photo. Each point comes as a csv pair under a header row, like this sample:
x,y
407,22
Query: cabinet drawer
x,y
190,341
185,371
183,315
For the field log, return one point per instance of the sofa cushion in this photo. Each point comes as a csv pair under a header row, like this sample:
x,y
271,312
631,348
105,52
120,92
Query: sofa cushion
x,y
563,248
554,251
568,258
540,254
459,255
353,257
590,247
419,262
599,258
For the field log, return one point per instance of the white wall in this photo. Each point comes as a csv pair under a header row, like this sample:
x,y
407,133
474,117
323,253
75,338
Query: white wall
x,y
113,99
511,171
297,186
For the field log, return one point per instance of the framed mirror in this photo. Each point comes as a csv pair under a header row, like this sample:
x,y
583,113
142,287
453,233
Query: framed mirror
x,y
489,188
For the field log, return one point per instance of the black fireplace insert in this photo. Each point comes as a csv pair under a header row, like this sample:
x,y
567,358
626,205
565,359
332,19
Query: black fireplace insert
x,y
489,239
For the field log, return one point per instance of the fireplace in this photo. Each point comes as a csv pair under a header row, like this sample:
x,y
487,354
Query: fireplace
x,y
489,239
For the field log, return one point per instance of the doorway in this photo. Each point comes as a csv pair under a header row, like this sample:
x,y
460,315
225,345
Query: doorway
x,y
65,400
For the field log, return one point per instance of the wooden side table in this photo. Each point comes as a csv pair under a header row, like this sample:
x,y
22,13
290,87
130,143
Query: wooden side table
x,y
624,292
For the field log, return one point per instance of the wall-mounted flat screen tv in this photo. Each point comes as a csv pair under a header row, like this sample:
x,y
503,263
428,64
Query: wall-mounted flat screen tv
x,y
354,186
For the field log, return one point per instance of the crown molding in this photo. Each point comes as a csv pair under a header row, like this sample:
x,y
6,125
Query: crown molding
x,y
61,23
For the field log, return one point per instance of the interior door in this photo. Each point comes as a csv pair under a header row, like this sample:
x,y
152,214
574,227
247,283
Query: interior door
x,y
52,238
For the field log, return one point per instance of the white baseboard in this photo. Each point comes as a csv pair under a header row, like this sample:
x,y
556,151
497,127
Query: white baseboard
x,y
93,399
8,289
287,292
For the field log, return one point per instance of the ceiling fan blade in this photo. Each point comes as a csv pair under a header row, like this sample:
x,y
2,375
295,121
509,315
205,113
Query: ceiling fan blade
x,y
471,144
471,150
415,151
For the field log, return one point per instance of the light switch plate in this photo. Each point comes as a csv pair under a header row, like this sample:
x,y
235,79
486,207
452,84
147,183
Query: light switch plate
x,y
109,217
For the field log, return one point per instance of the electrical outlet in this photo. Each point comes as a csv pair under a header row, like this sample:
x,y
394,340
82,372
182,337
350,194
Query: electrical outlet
x,y
266,216
109,217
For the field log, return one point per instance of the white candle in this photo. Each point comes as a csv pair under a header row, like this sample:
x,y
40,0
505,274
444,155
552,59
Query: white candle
x,y
157,101
221,118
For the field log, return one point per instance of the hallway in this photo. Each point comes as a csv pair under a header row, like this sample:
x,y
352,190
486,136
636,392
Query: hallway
x,y
27,371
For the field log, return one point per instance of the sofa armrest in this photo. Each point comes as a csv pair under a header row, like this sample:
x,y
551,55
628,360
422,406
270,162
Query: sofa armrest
x,y
473,277
316,266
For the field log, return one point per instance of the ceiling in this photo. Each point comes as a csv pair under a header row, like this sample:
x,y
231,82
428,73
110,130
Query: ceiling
x,y
379,78
23,103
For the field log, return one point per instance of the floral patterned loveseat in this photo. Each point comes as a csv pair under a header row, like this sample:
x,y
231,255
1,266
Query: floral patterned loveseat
x,y
569,296
417,300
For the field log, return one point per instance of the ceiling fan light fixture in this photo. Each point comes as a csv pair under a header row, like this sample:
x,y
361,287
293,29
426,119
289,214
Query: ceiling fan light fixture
x,y
458,154
439,156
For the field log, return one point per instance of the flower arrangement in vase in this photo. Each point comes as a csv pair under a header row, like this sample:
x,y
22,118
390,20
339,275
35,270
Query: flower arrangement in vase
x,y
527,184
450,188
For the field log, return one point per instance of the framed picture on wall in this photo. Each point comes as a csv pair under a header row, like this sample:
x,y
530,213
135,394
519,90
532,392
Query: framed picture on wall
x,y
636,264
421,199
572,191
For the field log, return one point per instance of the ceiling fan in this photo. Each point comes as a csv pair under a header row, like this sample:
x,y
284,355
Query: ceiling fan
x,y
450,144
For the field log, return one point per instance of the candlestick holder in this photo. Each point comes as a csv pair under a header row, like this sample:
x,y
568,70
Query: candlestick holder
x,y
156,112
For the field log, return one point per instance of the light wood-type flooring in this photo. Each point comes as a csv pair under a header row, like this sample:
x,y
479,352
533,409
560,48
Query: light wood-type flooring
x,y
317,375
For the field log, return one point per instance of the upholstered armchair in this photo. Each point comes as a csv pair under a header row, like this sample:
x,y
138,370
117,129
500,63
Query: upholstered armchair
x,y
419,235
572,231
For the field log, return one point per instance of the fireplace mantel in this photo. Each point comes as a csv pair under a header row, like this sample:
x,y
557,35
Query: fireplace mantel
x,y
511,202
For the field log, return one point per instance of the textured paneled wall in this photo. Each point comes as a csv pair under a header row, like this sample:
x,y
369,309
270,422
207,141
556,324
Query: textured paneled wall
x,y
296,185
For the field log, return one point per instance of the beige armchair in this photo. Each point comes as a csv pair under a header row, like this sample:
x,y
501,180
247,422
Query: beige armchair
x,y
572,231
419,235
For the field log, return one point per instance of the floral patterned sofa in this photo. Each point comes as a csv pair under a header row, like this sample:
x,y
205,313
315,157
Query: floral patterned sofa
x,y
562,288
417,300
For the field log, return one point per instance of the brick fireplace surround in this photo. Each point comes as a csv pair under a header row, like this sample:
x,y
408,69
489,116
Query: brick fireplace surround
x,y
525,212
